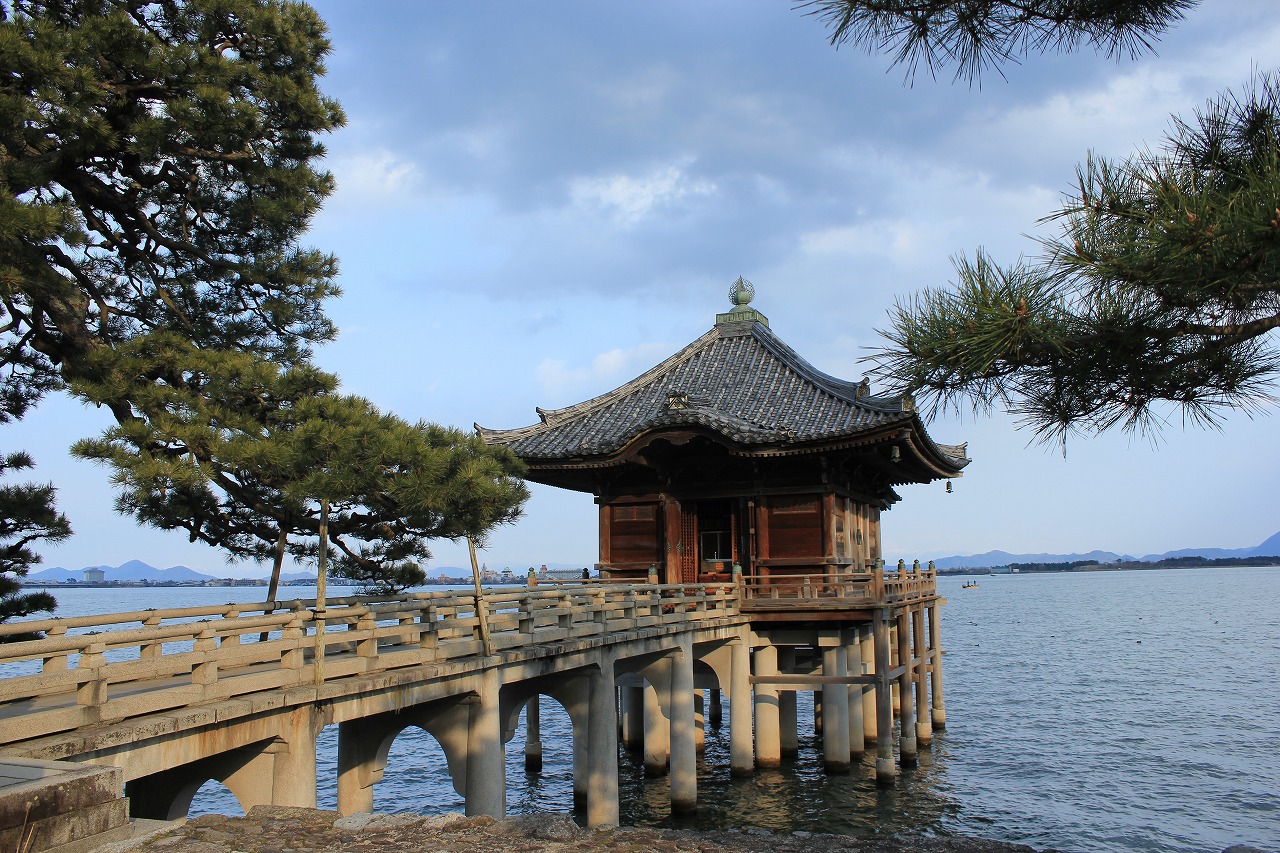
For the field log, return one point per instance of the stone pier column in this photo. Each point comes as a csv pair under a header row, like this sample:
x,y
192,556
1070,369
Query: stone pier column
x,y
886,769
357,751
632,717
699,721
788,718
602,748
486,792
866,650
684,753
657,728
906,686
768,740
924,728
294,761
835,712
715,710
741,731
853,666
533,736
935,643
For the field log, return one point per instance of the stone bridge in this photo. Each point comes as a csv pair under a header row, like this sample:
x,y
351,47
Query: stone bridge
x,y
170,699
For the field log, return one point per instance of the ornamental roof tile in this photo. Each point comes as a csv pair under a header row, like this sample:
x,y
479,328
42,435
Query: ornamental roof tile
x,y
738,380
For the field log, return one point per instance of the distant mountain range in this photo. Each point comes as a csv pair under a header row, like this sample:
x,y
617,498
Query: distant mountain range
x,y
136,570
1269,548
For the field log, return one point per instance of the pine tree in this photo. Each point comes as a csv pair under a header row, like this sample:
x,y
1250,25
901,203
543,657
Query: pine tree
x,y
974,35
27,515
238,452
1162,291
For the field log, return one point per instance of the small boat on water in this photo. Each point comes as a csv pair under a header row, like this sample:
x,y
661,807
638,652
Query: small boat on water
x,y
969,585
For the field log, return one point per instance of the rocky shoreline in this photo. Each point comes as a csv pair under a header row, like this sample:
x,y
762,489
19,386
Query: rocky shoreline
x,y
277,829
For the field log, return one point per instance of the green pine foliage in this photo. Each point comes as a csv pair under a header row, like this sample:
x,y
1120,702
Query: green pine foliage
x,y
159,166
974,35
157,170
27,515
1161,293
234,450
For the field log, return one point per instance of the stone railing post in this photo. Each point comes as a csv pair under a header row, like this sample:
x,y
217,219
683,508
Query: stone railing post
x,y
55,663
428,622
367,645
151,650
291,637
93,692
205,671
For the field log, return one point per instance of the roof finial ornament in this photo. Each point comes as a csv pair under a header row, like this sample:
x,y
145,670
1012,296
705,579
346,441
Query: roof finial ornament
x,y
741,293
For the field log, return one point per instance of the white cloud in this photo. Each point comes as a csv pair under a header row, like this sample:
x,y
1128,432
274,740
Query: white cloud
x,y
560,381
377,175
628,199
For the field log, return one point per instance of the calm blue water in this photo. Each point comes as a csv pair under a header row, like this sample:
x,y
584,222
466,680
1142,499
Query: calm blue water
x,y
1092,713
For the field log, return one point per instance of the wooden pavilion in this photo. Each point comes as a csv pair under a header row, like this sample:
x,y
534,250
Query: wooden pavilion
x,y
735,451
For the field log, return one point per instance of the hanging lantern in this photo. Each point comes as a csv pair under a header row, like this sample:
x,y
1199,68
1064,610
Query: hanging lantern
x,y
948,487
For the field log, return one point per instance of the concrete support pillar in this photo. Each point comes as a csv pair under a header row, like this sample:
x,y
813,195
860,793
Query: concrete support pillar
x,y
788,718
866,648
632,702
684,755
906,687
935,644
602,749
715,710
886,769
699,721
358,747
657,728
835,712
924,728
293,766
853,666
768,741
581,762
533,736
741,734
486,788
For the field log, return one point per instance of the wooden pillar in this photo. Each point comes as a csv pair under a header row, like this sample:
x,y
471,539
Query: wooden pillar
x,y
835,712
606,534
533,736
935,645
768,742
924,728
906,685
741,730
673,538
602,749
886,769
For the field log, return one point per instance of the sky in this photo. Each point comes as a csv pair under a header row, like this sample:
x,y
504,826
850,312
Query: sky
x,y
538,201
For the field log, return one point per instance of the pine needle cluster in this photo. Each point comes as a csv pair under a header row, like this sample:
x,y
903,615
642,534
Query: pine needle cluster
x,y
974,35
1161,291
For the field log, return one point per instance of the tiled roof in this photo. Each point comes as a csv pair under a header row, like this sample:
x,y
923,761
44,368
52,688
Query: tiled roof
x,y
739,380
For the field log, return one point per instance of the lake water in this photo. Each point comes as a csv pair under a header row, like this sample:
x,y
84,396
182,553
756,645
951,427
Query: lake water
x,y
1092,713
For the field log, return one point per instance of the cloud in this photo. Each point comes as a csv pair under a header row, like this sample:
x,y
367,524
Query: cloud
x,y
628,199
560,381
375,176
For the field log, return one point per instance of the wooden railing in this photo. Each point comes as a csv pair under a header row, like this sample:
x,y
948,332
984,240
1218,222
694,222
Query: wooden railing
x,y
94,668
832,585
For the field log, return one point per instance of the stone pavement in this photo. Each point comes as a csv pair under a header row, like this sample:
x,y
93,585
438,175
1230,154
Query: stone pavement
x,y
275,829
